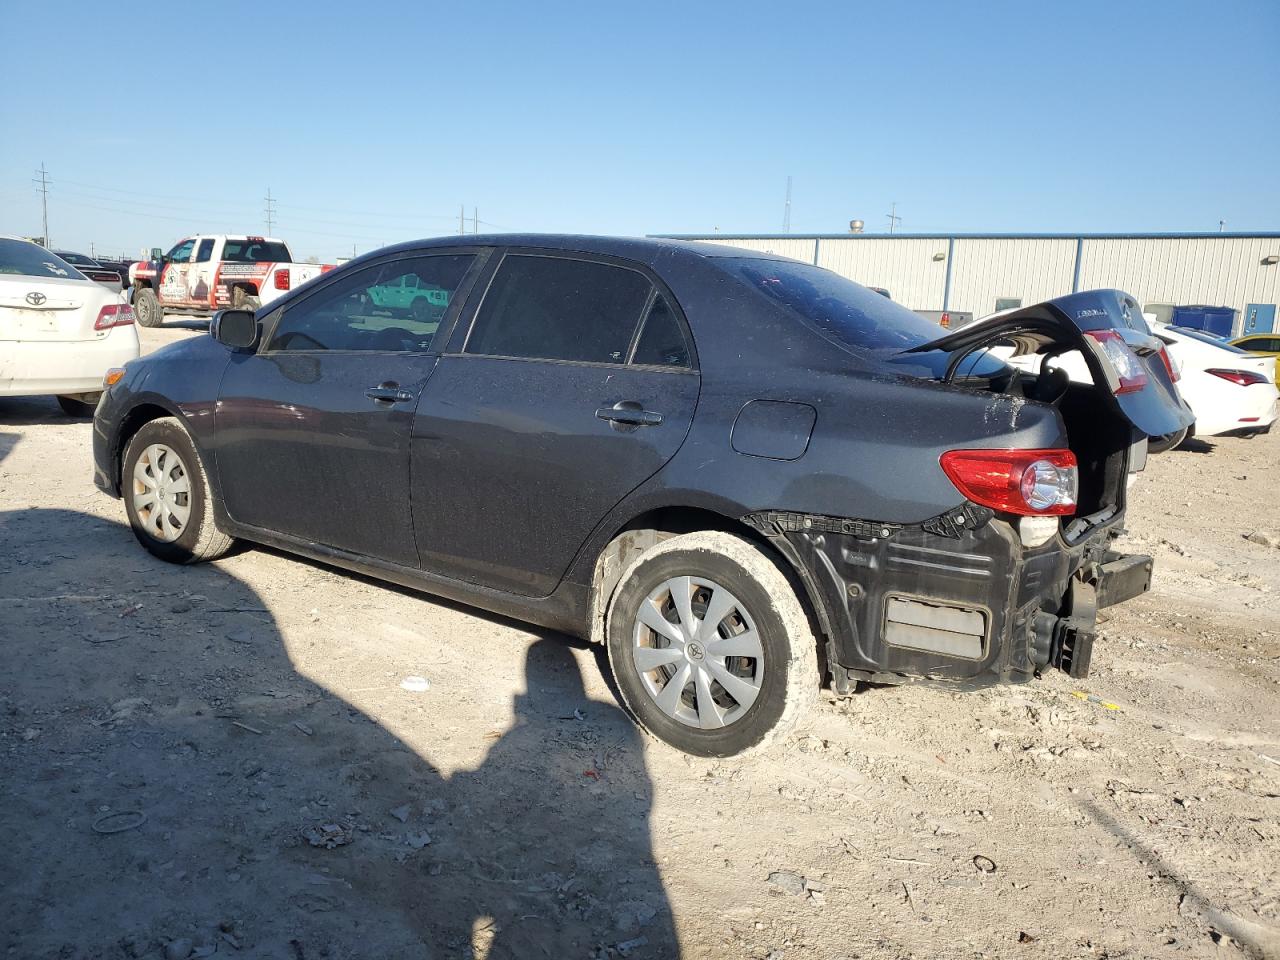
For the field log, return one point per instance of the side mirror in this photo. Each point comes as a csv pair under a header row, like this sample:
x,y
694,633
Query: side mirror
x,y
236,329
156,253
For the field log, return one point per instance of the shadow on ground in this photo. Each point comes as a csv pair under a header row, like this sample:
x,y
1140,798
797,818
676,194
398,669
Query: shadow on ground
x,y
171,780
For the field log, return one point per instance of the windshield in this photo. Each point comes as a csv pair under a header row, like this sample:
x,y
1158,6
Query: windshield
x,y
251,250
854,315
20,258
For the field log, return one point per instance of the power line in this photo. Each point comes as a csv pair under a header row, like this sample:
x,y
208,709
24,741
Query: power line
x,y
44,199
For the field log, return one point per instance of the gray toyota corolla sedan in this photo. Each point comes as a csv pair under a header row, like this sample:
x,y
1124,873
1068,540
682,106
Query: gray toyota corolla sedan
x,y
741,473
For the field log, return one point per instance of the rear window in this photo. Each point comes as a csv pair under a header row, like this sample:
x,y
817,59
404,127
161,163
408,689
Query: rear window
x,y
77,259
255,251
1207,338
843,310
23,259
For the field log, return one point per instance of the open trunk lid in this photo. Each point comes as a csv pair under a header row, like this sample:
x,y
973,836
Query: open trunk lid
x,y
1108,328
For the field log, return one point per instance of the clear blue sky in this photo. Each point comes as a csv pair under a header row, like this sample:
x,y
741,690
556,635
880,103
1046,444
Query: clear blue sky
x,y
372,122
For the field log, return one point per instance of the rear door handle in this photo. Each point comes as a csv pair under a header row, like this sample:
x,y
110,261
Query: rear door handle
x,y
388,392
631,413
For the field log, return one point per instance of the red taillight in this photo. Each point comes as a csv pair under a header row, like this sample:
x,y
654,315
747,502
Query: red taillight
x,y
1124,362
1243,378
113,315
1028,482
327,267
945,320
1174,376
282,279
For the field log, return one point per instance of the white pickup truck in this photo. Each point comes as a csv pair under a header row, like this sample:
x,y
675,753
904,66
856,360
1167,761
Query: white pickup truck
x,y
210,272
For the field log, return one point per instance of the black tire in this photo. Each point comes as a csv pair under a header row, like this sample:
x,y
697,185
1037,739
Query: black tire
x,y
199,539
1170,441
80,409
789,680
420,310
146,308
242,299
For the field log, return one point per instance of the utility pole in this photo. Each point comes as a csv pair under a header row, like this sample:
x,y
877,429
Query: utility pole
x,y
894,219
786,210
270,212
475,220
462,219
1222,225
43,183
92,255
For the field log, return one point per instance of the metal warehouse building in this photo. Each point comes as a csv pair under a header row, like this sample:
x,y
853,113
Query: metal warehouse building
x,y
981,273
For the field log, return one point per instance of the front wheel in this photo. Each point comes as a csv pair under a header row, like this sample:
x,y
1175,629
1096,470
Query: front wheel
x,y
146,308
710,647
167,496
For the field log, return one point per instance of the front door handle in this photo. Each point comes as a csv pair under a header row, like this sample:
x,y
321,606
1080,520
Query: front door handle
x,y
630,413
388,392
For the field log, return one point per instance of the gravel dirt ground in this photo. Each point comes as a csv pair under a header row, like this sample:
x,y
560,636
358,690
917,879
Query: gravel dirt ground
x,y
225,759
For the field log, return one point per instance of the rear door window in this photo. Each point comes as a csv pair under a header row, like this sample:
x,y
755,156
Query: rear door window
x,y
204,251
557,308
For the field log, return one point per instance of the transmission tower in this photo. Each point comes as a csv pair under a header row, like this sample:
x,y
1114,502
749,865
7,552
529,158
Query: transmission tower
x,y
43,184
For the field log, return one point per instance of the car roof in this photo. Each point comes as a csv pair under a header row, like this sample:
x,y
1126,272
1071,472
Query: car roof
x,y
644,249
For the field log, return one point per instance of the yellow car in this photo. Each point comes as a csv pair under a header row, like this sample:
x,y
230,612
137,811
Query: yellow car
x,y
1263,344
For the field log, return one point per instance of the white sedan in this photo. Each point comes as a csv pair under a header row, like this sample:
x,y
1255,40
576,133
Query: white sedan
x,y
59,331
1229,390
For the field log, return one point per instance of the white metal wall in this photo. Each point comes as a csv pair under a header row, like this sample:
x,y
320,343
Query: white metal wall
x,y
905,267
1221,271
1029,270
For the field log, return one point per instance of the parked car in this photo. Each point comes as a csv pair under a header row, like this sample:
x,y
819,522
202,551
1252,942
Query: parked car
x,y
92,269
1230,392
203,273
120,267
60,332
1261,345
728,467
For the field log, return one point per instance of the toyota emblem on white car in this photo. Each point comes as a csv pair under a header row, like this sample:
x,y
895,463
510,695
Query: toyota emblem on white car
x,y
35,299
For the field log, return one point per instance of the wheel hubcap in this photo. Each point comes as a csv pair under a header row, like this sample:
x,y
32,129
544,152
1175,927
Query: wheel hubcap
x,y
162,493
697,651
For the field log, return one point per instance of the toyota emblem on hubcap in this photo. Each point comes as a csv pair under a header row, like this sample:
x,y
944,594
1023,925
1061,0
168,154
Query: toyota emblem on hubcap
x,y
695,651
35,299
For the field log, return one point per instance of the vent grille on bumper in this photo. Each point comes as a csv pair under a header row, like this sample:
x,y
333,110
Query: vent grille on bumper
x,y
952,631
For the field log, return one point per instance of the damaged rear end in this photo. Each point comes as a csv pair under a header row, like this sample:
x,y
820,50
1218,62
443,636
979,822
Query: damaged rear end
x,y
1008,581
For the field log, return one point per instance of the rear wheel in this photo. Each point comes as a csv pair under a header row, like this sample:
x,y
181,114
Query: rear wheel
x,y
710,646
79,409
1169,441
167,496
146,308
